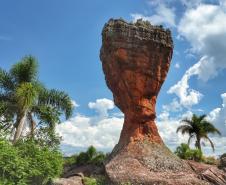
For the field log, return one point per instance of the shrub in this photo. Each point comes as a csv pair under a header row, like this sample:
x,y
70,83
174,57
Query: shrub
x,y
196,154
97,180
184,152
28,163
70,160
12,165
91,156
89,181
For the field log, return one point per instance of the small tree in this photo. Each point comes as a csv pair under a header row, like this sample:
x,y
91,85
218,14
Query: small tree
x,y
198,128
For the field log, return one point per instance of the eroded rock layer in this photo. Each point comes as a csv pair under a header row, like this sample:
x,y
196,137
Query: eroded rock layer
x,y
136,59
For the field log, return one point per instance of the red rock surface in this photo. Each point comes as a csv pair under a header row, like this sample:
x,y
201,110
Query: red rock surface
x,y
135,59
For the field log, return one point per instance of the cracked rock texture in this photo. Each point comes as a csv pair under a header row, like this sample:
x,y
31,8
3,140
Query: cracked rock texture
x,y
135,59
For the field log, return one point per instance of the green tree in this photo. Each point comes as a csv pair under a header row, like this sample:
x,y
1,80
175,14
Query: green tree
x,y
198,128
28,163
23,98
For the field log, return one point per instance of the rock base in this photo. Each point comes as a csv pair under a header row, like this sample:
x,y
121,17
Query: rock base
x,y
147,163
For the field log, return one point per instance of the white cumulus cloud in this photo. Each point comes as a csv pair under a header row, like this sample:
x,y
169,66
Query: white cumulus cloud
x,y
204,27
102,106
218,116
163,15
74,103
187,96
101,130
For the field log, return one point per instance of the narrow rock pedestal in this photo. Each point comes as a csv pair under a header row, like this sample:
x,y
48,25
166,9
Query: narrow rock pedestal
x,y
136,59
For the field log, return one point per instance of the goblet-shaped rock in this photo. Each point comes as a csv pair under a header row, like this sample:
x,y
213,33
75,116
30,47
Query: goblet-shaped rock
x,y
135,59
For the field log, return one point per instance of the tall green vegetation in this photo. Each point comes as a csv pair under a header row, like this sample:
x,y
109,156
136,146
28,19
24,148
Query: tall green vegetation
x,y
24,99
32,157
90,156
184,152
198,128
27,163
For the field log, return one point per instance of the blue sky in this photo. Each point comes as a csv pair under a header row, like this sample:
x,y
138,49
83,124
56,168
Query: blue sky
x,y
65,37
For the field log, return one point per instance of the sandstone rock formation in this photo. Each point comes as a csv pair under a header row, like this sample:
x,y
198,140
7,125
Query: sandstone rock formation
x,y
209,173
135,59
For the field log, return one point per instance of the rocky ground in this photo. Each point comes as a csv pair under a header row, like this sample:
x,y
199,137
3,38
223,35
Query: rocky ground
x,y
208,174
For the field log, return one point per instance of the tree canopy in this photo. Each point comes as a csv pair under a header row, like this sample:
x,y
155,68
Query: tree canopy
x,y
26,102
198,128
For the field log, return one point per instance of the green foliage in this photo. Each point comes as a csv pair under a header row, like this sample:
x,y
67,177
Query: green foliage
x,y
89,181
12,166
91,156
26,70
97,180
184,152
26,94
46,137
28,163
198,128
22,95
70,160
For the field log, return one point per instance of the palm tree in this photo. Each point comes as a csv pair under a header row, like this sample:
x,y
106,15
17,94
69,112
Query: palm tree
x,y
198,128
23,99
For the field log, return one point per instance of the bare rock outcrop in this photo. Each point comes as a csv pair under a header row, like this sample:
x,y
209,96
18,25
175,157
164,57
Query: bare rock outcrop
x,y
210,173
136,59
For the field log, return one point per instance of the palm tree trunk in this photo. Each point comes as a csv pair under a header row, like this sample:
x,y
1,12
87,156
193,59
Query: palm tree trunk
x,y
19,126
32,124
198,143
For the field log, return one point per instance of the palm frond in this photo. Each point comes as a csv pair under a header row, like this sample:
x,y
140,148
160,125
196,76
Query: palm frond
x,y
26,70
6,80
210,128
187,121
184,129
211,143
57,99
202,117
192,136
47,115
26,94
